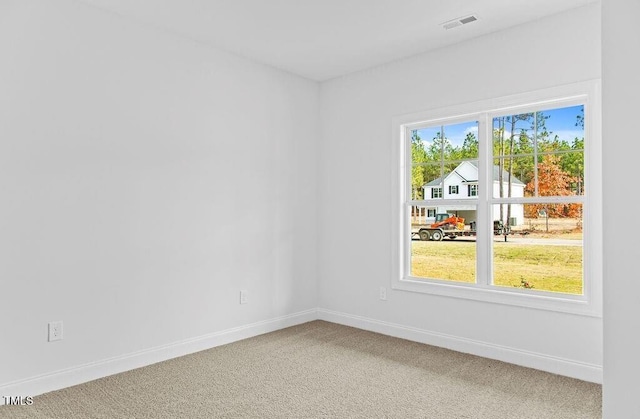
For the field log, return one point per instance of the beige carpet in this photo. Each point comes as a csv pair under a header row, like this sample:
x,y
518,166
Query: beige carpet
x,y
323,370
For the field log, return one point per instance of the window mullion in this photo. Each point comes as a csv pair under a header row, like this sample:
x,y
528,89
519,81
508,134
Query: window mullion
x,y
483,243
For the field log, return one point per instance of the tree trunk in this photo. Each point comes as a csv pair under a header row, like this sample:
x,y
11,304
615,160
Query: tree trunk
x,y
501,124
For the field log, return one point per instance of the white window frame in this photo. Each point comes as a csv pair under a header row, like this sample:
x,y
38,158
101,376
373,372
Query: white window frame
x,y
436,190
590,303
473,187
454,189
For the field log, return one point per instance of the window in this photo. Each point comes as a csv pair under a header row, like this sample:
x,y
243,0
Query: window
x,y
442,154
527,232
538,157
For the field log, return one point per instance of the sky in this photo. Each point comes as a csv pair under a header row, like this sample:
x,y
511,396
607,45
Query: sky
x,y
561,122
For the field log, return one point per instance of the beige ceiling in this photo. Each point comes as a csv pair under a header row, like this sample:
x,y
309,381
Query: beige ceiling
x,y
324,39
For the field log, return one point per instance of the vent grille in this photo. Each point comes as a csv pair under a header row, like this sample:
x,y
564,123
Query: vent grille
x,y
459,21
468,19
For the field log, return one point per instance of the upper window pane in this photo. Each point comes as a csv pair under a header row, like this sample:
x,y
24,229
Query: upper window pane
x,y
544,151
444,161
559,174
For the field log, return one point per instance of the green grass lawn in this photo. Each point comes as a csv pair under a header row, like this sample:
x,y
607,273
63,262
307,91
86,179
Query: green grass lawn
x,y
545,268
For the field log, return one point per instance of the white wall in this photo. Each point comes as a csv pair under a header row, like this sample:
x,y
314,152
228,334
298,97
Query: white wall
x,y
355,193
621,90
145,179
517,210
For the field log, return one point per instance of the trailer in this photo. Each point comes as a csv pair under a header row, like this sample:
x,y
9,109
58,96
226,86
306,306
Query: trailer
x,y
452,231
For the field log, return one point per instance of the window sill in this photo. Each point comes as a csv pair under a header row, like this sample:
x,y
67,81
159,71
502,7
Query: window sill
x,y
564,303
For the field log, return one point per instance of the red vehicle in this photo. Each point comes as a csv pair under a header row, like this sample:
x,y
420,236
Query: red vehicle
x,y
448,222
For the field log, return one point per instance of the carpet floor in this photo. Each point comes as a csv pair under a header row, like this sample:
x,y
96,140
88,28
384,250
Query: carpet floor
x,y
323,370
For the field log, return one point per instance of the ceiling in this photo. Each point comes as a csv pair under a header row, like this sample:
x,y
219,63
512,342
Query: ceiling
x,y
324,39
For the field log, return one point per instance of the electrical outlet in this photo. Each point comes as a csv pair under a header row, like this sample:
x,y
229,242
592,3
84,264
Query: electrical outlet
x,y
244,298
55,331
383,293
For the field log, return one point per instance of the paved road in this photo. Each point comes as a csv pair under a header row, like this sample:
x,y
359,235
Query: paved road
x,y
544,242
516,239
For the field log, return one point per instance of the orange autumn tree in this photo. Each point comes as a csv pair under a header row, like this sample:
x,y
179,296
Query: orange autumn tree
x,y
552,181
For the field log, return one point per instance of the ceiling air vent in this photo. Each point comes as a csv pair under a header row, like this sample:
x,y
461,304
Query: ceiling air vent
x,y
459,21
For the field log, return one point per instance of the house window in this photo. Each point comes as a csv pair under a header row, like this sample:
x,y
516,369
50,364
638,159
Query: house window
x,y
431,212
534,154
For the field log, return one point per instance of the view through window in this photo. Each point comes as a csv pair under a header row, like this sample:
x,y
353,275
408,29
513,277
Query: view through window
x,y
444,166
532,187
540,156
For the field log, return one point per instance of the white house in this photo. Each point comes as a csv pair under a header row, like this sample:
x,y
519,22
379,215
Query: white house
x,y
462,183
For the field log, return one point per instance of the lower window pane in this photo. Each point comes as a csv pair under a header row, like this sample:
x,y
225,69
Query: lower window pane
x,y
543,252
443,243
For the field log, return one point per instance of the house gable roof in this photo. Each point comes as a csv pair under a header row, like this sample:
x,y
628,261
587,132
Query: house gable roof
x,y
496,176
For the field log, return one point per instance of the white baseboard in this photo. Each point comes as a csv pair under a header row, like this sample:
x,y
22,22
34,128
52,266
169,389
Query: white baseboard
x,y
83,373
555,365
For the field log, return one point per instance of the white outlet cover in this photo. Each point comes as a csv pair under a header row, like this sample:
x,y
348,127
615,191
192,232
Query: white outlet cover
x,y
55,331
244,298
